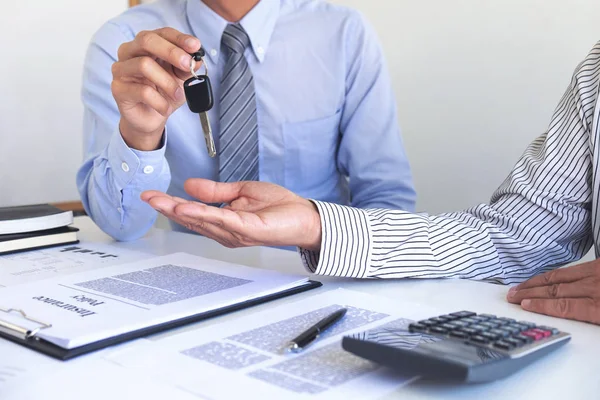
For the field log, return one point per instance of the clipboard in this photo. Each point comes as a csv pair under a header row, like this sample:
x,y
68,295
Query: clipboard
x,y
29,338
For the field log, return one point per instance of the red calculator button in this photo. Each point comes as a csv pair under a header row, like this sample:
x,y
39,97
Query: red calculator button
x,y
543,332
532,334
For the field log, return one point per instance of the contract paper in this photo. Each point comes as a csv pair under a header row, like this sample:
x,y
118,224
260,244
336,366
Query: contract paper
x,y
94,305
28,375
31,266
246,357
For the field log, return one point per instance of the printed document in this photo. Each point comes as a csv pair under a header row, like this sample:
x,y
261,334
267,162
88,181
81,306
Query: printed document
x,y
250,352
36,265
28,375
94,305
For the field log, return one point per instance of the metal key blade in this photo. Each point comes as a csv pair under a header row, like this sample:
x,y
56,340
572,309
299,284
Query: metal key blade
x,y
208,137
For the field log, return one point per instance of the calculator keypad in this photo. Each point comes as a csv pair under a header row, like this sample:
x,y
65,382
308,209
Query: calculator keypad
x,y
484,330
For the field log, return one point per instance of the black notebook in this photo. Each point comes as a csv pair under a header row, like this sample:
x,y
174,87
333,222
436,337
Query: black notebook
x,y
30,218
36,240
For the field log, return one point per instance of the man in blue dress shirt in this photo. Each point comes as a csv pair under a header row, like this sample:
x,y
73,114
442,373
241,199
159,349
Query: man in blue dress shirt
x,y
302,99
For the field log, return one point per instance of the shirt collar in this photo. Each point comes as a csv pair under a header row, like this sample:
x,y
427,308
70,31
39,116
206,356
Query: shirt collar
x,y
208,26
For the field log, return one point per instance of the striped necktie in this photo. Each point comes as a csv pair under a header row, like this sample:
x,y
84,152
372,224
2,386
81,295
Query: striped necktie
x,y
238,155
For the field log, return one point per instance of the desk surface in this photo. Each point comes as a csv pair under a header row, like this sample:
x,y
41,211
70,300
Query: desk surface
x,y
570,372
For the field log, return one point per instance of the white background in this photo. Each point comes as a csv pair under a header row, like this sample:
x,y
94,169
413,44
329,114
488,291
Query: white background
x,y
475,80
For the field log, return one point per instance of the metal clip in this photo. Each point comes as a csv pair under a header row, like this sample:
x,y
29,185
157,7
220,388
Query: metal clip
x,y
18,331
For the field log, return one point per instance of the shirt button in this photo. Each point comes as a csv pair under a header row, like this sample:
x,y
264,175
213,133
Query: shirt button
x,y
148,169
213,52
125,167
119,209
260,50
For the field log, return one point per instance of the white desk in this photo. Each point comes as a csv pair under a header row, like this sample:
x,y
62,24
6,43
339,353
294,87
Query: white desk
x,y
571,372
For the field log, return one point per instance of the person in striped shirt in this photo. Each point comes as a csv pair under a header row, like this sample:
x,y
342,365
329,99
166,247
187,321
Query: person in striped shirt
x,y
545,215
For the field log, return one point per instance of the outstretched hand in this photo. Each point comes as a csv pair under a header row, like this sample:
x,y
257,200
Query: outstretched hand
x,y
255,214
572,293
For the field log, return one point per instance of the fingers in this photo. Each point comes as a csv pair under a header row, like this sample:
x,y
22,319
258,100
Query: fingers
x,y
223,218
145,68
216,233
582,288
205,220
561,275
129,94
213,192
578,309
148,194
162,202
166,44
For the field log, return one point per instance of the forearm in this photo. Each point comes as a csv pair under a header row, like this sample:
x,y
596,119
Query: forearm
x,y
479,244
110,185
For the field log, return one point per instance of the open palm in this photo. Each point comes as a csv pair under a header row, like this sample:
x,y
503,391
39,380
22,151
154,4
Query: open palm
x,y
256,213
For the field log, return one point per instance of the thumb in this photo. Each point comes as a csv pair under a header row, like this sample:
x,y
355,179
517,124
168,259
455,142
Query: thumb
x,y
209,191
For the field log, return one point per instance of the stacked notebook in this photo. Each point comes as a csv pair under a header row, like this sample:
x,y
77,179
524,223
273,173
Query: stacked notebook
x,y
34,227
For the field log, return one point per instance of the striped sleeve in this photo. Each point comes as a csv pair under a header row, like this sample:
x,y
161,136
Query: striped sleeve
x,y
537,220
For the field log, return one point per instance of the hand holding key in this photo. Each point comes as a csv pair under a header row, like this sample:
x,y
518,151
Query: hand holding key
x,y
148,83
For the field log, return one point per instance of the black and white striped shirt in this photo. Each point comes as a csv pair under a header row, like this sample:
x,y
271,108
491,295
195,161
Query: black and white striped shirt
x,y
544,215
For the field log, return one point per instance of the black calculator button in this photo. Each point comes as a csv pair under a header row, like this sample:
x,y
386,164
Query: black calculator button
x,y
489,325
504,345
500,332
449,326
459,323
462,314
553,331
490,336
525,339
452,325
416,327
459,334
438,329
479,328
487,316
469,331
504,321
514,342
448,317
437,320
527,324
479,339
470,320
427,322
520,327
509,330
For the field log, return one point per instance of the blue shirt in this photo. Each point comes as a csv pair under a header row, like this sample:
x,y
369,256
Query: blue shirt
x,y
326,112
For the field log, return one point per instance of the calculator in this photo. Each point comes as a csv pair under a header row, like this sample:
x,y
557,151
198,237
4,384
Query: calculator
x,y
461,346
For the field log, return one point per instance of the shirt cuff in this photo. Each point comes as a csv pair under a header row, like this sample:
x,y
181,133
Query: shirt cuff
x,y
346,243
130,165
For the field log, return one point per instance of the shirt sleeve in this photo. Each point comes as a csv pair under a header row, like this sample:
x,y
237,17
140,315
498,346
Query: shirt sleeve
x,y
371,152
537,220
113,176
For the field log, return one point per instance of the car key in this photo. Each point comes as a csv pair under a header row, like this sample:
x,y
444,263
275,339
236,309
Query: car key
x,y
199,96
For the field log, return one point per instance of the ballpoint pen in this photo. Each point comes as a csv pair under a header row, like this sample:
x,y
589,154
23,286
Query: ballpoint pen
x,y
311,334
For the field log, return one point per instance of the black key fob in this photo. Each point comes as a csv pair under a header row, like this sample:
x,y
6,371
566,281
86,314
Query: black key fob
x,y
198,93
